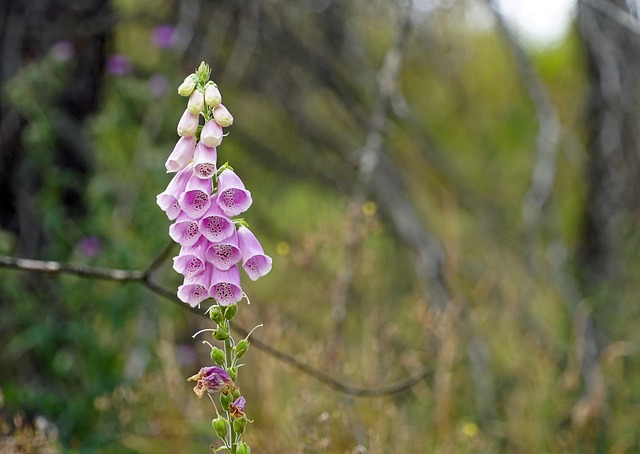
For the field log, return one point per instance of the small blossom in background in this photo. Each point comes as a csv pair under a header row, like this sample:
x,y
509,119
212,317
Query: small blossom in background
x,y
118,65
63,50
90,246
164,36
158,85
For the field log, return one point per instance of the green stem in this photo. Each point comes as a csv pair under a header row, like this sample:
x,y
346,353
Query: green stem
x,y
228,362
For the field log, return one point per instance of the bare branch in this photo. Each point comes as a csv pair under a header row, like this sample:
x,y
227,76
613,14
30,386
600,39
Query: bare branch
x,y
142,277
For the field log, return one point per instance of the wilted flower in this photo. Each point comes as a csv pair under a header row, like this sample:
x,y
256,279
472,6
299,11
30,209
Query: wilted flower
x,y
211,379
236,408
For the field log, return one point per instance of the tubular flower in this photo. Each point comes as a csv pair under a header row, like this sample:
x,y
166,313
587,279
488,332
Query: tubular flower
x,y
224,254
225,286
195,290
211,134
168,200
232,197
194,201
204,161
181,154
184,231
211,379
222,116
254,261
215,225
188,124
191,260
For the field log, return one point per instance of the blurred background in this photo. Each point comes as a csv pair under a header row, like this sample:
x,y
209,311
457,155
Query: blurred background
x,y
449,190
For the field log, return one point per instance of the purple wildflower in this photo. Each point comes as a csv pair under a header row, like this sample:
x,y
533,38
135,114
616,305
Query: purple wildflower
x,y
232,197
118,65
164,36
204,161
181,154
195,290
211,379
254,261
191,260
225,253
225,286
168,200
184,231
215,225
195,201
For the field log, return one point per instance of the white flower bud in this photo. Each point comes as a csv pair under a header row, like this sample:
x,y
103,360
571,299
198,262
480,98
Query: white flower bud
x,y
222,116
188,124
212,96
196,102
187,87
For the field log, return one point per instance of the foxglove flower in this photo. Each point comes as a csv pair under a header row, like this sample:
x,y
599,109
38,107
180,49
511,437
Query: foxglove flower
x,y
222,116
254,261
191,260
225,286
181,154
215,225
196,289
194,201
232,196
211,379
212,95
224,254
185,230
211,134
187,87
204,161
168,200
188,124
196,102
236,408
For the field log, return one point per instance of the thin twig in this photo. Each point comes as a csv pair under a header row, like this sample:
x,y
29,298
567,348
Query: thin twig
x,y
142,277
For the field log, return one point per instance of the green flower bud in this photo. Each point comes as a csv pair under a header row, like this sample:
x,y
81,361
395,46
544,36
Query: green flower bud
x,y
241,348
217,356
239,425
233,373
225,400
187,87
220,426
221,334
231,311
243,448
216,315
235,393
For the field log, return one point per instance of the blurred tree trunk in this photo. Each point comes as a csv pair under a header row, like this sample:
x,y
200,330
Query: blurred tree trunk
x,y
613,170
28,31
